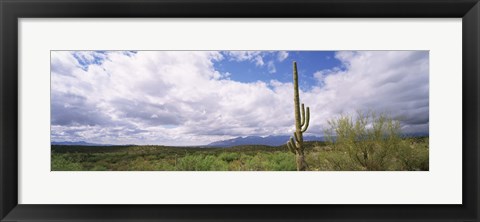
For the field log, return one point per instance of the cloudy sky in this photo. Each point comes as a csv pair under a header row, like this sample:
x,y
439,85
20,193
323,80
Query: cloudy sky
x,y
197,97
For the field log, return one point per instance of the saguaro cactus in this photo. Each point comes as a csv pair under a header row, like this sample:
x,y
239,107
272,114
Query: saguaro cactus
x,y
302,119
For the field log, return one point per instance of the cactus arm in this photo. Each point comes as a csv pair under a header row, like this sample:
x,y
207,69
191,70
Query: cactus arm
x,y
303,115
307,121
293,143
297,138
290,147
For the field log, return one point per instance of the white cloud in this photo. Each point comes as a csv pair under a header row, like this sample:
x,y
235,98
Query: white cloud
x,y
259,61
322,74
252,56
158,98
282,55
89,57
394,82
242,55
178,98
271,67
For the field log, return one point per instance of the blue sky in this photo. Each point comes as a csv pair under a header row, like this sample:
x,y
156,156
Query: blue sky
x,y
198,97
248,71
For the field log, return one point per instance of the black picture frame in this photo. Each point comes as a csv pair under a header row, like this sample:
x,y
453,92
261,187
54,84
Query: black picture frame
x,y
12,10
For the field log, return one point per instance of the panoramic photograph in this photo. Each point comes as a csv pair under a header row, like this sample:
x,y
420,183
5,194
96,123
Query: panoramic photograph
x,y
239,110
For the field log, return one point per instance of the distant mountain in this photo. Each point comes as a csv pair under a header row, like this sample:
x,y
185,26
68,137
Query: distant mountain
x,y
257,140
77,143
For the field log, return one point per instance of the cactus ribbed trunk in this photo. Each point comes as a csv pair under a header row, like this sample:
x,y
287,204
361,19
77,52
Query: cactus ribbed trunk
x,y
301,121
301,163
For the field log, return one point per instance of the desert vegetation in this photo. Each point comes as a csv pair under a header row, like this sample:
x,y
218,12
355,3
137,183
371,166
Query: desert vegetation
x,y
412,154
164,158
372,141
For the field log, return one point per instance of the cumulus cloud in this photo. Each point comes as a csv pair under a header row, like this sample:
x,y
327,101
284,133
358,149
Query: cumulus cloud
x,y
259,61
85,58
282,55
322,74
271,67
252,56
391,82
172,98
240,56
178,98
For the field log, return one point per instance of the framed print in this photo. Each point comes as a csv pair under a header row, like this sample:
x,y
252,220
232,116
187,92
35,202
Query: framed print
x,y
226,110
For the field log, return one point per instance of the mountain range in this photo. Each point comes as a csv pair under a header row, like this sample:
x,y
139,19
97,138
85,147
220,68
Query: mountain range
x,y
258,140
277,140
247,140
77,143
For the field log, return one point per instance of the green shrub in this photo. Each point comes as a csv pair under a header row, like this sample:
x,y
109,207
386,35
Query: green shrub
x,y
414,155
281,161
370,141
201,163
59,163
255,163
229,156
332,160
